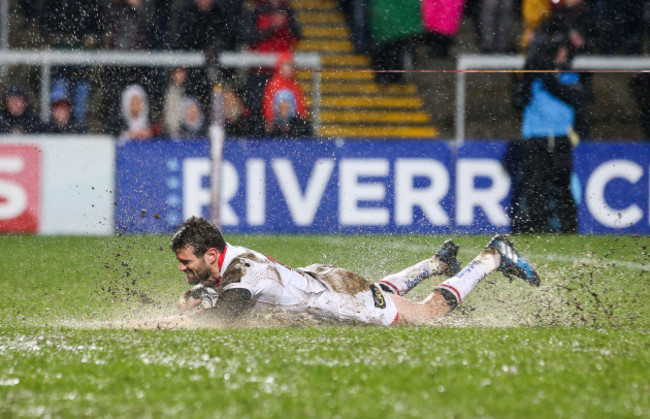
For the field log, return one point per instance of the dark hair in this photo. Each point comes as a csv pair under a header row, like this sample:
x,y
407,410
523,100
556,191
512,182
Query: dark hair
x,y
199,233
15,90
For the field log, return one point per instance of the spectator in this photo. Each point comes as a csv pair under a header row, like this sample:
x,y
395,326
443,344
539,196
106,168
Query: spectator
x,y
388,60
71,25
549,102
128,24
17,116
283,101
200,25
273,29
237,115
286,122
393,25
496,22
135,114
129,28
205,26
192,121
622,25
356,13
533,14
173,103
61,121
441,20
161,18
574,20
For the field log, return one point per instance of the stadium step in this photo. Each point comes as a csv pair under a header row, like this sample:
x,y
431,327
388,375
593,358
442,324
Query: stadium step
x,y
370,102
365,117
345,60
377,132
313,4
352,104
359,88
320,17
317,32
324,45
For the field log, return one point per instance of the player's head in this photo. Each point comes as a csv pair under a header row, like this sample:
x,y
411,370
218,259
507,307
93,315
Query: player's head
x,y
197,244
199,233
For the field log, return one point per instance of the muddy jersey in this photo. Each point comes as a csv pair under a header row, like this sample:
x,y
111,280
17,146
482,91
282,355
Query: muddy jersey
x,y
324,290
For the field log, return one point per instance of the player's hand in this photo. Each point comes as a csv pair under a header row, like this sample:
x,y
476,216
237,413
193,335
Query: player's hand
x,y
198,298
188,302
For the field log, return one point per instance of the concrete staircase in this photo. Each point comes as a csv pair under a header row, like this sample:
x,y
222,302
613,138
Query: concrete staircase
x,y
352,103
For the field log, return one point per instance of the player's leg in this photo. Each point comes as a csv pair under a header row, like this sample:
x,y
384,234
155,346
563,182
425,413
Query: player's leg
x,y
411,312
499,254
451,292
444,262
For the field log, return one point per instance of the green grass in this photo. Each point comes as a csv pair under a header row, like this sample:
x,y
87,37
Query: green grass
x,y
575,347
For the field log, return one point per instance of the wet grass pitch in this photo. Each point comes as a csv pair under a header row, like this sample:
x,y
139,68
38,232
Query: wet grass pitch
x,y
578,346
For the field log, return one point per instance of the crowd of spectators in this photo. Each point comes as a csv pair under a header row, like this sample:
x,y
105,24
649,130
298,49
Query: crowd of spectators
x,y
138,102
177,100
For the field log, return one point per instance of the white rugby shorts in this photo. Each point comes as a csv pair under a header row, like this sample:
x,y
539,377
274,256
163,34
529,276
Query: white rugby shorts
x,y
370,306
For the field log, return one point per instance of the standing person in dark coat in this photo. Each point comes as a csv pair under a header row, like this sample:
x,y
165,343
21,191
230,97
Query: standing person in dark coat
x,y
550,102
72,25
17,117
203,26
575,20
623,25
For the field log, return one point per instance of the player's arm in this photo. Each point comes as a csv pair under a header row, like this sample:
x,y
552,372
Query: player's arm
x,y
232,303
573,94
238,292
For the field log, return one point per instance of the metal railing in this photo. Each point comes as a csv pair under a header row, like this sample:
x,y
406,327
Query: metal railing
x,y
516,62
46,59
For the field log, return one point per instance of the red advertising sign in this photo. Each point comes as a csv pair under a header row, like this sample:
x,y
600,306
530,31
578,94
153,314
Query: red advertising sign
x,y
20,188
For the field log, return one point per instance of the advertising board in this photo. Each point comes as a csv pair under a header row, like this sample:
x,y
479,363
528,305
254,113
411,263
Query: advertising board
x,y
364,186
57,184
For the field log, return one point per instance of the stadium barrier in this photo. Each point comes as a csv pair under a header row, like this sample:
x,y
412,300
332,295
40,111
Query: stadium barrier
x,y
93,185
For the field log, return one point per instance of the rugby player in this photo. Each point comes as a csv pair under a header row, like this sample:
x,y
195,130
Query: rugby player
x,y
231,280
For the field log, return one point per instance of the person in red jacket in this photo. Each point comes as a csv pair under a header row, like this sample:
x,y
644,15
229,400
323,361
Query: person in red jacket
x,y
283,102
272,28
275,27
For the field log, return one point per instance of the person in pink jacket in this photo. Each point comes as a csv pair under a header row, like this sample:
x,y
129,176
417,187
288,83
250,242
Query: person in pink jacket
x,y
441,20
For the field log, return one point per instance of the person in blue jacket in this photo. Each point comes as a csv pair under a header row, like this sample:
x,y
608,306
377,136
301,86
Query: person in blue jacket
x,y
553,103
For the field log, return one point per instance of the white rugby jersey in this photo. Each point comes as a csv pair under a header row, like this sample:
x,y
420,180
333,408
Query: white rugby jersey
x,y
311,289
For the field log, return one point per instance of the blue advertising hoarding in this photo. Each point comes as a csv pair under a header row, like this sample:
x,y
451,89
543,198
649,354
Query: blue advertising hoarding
x,y
362,186
615,187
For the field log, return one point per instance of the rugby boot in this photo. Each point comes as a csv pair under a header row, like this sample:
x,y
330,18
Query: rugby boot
x,y
447,254
512,263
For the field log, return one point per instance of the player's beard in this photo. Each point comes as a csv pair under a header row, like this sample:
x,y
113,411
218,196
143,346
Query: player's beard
x,y
200,275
